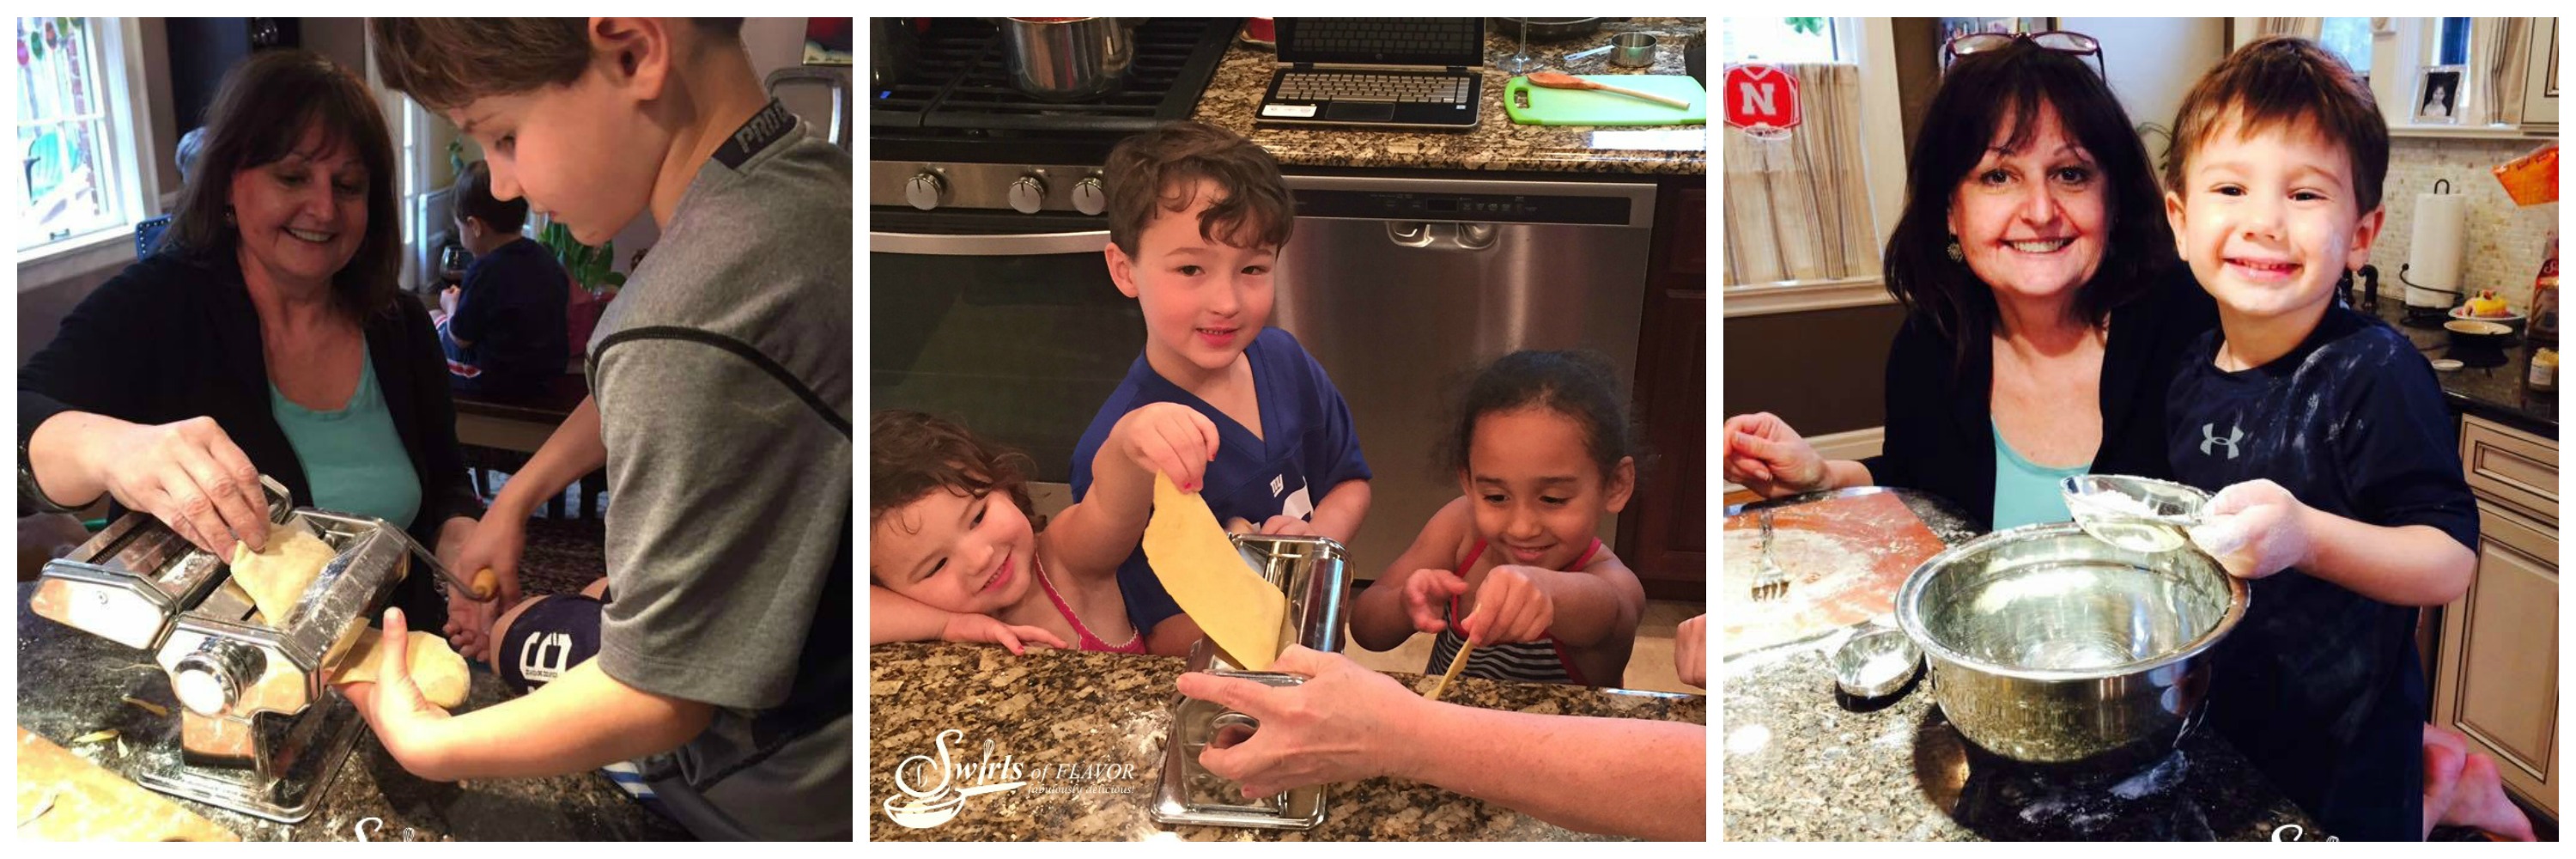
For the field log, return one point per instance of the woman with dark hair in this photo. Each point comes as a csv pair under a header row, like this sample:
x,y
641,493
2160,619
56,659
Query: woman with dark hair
x,y
2045,310
266,335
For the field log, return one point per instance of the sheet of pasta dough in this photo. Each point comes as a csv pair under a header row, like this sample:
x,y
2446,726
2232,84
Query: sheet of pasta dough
x,y
277,577
1205,574
435,668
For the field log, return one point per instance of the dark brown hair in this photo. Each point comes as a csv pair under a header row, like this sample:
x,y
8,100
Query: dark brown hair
x,y
1987,91
912,454
474,199
446,63
266,106
1160,169
1579,384
2287,83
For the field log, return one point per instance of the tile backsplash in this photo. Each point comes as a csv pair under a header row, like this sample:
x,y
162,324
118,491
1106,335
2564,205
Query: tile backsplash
x,y
2505,241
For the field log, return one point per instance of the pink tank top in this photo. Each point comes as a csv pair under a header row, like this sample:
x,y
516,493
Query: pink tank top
x,y
1084,639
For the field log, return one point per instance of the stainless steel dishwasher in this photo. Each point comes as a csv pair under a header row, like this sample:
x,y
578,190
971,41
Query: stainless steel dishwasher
x,y
1401,288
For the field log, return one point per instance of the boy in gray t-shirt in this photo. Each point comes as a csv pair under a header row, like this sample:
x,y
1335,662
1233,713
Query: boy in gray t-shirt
x,y
721,402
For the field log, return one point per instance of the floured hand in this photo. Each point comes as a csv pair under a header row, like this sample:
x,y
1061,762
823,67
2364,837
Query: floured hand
x,y
2255,529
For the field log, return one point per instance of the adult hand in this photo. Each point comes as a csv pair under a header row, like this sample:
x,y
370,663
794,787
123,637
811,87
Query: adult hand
x,y
1288,526
190,476
1763,454
1325,730
985,629
493,544
1512,605
410,727
1690,651
1427,595
1170,439
2255,529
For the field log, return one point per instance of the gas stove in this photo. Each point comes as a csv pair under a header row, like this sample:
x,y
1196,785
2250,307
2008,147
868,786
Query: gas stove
x,y
950,132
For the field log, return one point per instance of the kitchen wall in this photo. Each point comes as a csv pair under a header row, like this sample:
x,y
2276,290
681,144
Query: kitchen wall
x,y
2505,241
1823,371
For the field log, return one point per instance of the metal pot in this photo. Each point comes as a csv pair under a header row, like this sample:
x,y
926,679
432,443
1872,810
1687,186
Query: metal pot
x,y
2051,647
1068,59
892,49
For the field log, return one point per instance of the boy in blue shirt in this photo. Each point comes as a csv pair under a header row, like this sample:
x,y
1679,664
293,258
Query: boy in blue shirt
x,y
1197,216
2344,500
503,330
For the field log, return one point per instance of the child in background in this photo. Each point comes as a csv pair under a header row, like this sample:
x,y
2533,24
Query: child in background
x,y
503,329
962,558
1543,450
2344,500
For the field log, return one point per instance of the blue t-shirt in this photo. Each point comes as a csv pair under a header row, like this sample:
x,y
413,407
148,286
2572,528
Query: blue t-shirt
x,y
1307,447
353,456
2026,492
511,308
2321,686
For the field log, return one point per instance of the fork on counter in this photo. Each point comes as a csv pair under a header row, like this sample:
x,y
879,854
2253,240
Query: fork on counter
x,y
1774,583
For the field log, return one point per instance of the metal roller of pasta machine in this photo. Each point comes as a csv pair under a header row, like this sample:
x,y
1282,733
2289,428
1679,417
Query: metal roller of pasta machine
x,y
1312,572
261,730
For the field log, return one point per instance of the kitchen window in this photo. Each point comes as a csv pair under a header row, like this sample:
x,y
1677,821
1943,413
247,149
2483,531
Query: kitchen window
x,y
1806,215
78,178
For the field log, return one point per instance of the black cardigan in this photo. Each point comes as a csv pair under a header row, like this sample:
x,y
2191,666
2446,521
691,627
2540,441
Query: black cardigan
x,y
1940,431
171,338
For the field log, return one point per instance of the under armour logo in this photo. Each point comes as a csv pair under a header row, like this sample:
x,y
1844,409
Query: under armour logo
x,y
545,657
2209,436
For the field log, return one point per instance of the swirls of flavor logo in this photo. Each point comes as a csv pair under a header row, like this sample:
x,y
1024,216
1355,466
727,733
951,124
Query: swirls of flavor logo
x,y
939,801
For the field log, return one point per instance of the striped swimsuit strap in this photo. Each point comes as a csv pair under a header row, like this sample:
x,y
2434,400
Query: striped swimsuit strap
x,y
1526,661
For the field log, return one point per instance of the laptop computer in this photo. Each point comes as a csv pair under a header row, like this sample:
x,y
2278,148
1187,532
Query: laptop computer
x,y
1418,73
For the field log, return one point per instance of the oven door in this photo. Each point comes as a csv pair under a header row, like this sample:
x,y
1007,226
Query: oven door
x,y
1019,336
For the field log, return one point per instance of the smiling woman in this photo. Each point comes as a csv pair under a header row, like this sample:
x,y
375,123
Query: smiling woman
x,y
266,336
2045,310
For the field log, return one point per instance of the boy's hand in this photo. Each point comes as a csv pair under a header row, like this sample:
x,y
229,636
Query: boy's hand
x,y
495,544
404,720
2255,529
986,630
1690,651
1764,455
447,300
1170,439
1427,593
1288,525
1512,606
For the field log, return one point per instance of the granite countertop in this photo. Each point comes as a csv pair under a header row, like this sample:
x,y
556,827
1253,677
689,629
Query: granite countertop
x,y
1088,730
1495,144
71,683
1804,763
2498,393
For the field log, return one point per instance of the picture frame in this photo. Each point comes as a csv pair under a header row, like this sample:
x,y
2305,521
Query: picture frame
x,y
1952,28
2437,95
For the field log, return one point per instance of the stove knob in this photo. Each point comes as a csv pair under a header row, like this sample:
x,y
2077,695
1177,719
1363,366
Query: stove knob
x,y
1028,194
1089,197
925,190
209,681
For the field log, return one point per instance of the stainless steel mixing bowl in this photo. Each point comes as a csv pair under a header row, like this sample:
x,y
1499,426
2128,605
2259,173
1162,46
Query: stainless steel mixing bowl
x,y
2049,646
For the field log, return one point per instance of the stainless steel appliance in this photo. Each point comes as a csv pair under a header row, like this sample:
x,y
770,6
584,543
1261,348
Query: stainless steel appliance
x,y
1402,287
989,298
261,731
1068,59
1311,571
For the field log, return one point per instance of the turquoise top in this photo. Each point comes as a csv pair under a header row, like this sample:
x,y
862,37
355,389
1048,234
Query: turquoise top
x,y
353,457
2025,493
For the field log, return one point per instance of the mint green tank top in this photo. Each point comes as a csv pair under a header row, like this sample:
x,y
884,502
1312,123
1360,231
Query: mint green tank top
x,y
2026,493
353,457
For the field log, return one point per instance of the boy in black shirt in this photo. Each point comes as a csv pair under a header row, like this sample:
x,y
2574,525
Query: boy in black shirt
x,y
2343,500
503,330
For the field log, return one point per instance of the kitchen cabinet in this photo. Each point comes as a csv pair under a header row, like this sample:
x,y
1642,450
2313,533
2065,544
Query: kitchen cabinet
x,y
2496,677
1663,535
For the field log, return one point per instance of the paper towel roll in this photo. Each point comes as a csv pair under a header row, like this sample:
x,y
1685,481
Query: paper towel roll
x,y
2441,234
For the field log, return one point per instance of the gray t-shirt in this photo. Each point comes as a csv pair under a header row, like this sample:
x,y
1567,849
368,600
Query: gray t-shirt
x,y
722,374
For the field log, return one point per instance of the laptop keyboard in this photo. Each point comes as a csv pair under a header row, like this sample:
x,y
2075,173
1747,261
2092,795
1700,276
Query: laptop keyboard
x,y
1428,37
1366,86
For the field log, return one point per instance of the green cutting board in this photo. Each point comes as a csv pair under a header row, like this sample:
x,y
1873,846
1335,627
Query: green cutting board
x,y
1593,107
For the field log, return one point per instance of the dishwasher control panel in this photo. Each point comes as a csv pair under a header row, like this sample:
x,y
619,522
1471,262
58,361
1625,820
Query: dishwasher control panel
x,y
1493,208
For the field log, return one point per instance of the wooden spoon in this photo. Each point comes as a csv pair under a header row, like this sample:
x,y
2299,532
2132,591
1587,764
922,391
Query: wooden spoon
x,y
1561,80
